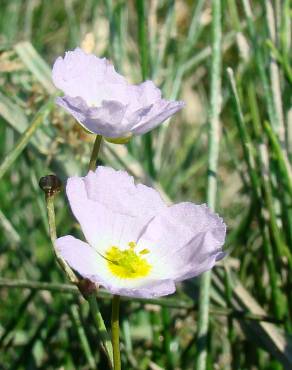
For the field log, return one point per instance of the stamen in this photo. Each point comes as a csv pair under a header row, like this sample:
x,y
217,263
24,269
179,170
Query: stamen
x,y
127,263
132,245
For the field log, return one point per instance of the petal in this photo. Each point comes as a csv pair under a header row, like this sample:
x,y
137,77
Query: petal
x,y
162,110
155,288
79,255
75,106
106,120
82,258
111,215
147,93
117,191
81,74
186,238
101,226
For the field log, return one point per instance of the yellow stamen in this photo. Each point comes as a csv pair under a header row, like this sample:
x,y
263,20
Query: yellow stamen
x,y
144,251
132,245
127,264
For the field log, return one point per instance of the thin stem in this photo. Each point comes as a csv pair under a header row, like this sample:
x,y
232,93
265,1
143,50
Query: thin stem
x,y
104,337
102,332
274,73
53,235
25,137
164,302
213,153
116,332
94,154
146,72
260,63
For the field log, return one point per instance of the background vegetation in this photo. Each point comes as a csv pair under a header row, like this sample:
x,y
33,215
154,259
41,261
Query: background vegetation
x,y
45,324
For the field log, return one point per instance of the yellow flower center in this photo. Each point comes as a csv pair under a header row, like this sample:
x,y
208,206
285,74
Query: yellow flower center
x,y
127,264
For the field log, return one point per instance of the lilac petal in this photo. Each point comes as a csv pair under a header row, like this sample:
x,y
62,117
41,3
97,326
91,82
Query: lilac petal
x,y
193,260
101,226
111,215
146,94
158,114
156,288
117,191
75,106
81,74
106,120
187,238
79,255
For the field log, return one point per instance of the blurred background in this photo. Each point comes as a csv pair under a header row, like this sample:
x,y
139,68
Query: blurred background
x,y
44,323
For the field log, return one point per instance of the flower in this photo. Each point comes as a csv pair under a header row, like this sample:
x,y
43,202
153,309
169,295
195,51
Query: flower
x,y
103,102
136,244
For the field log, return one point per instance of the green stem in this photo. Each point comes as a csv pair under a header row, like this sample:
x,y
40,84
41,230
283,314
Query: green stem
x,y
116,332
94,154
50,189
25,137
146,72
53,235
102,332
164,302
213,153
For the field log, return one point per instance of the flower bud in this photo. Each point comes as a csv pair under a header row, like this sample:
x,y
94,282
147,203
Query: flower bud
x,y
50,184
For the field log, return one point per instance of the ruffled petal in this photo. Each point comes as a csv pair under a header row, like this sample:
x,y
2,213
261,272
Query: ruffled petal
x,y
152,289
118,191
110,208
106,120
160,111
186,238
81,74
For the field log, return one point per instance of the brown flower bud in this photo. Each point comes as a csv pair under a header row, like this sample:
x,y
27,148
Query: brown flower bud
x,y
50,184
86,287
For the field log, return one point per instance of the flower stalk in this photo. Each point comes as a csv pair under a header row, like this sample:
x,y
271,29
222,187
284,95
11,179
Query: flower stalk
x,y
51,186
95,152
116,332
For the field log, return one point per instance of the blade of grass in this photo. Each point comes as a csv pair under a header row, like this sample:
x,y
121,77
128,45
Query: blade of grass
x,y
25,138
274,340
82,336
257,183
213,153
35,63
260,63
274,72
146,72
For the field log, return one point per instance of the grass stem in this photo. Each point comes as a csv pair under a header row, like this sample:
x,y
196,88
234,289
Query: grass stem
x,y
213,153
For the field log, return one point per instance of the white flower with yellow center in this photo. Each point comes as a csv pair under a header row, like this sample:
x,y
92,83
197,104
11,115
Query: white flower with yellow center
x,y
136,244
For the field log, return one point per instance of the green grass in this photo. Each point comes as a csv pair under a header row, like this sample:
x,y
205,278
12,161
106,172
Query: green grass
x,y
236,124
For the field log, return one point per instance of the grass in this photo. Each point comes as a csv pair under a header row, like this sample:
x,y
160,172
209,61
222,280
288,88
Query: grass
x,y
239,129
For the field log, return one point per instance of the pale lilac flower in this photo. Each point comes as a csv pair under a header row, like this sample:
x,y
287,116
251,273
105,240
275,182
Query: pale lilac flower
x,y
136,244
103,102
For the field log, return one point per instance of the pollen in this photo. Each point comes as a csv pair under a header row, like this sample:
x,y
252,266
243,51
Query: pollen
x,y
127,264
